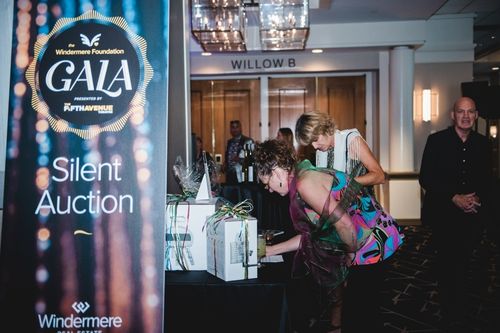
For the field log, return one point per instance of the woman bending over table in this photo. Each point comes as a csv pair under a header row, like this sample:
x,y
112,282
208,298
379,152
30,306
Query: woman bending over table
x,y
339,224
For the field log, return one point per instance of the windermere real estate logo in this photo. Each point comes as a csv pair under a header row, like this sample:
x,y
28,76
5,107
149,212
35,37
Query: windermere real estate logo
x,y
89,74
79,323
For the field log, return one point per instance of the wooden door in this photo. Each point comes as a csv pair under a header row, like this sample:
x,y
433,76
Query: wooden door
x,y
288,99
214,103
344,99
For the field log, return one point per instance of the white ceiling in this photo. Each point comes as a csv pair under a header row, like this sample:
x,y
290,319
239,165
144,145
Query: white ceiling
x,y
486,22
390,10
349,11
341,11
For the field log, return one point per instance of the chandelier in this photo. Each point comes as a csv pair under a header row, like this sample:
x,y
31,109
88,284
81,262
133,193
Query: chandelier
x,y
284,24
219,25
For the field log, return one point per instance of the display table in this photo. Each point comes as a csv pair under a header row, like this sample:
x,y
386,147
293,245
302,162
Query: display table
x,y
197,301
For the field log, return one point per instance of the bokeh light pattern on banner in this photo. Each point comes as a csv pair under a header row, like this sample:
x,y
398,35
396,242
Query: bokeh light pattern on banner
x,y
112,262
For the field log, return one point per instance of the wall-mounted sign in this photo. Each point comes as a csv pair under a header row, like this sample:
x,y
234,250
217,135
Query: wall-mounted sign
x,y
263,63
284,62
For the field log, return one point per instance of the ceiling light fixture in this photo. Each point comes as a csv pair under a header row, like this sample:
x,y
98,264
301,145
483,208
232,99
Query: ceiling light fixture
x,y
284,24
219,25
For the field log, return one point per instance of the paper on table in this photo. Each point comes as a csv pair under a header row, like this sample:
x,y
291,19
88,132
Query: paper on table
x,y
270,259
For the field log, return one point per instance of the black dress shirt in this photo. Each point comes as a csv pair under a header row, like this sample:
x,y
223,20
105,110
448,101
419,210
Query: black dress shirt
x,y
451,166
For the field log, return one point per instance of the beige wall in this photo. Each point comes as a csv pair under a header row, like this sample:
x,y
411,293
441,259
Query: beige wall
x,y
445,79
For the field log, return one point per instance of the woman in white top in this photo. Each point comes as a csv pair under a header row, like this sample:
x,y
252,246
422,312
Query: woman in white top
x,y
344,150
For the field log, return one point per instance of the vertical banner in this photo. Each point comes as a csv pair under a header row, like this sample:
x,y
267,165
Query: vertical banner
x,y
84,201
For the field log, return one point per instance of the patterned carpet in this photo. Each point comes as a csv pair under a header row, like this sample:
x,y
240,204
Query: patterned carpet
x,y
410,298
412,303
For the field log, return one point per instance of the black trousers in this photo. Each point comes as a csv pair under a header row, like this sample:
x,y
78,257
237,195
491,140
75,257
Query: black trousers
x,y
454,239
231,177
362,298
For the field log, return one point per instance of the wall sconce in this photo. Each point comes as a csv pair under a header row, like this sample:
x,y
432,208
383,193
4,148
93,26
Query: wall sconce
x,y
425,105
493,131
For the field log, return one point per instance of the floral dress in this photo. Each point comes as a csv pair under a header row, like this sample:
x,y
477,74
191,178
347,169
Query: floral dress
x,y
322,252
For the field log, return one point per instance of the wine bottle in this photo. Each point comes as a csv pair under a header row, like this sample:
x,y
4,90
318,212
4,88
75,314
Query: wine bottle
x,y
250,163
244,169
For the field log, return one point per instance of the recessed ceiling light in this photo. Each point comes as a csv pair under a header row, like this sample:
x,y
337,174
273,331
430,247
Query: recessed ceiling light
x,y
206,54
495,68
317,51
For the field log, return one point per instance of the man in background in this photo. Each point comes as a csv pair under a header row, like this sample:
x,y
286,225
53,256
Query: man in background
x,y
455,174
234,147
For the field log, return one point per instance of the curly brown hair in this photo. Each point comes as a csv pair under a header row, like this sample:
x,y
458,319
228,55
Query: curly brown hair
x,y
271,154
311,125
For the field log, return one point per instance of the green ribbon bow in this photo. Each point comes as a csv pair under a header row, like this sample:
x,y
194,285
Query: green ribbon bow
x,y
240,211
227,210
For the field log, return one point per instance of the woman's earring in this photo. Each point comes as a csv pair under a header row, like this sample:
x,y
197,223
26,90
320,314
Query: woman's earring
x,y
281,185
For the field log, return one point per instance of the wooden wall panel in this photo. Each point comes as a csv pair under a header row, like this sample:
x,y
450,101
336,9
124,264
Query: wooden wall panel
x,y
216,102
288,98
292,105
346,101
196,97
237,107
341,106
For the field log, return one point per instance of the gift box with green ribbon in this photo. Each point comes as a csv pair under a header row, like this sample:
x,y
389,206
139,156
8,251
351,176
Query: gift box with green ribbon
x,y
232,243
186,239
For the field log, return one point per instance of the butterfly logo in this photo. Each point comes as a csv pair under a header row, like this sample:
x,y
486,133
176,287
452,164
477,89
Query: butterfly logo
x,y
88,42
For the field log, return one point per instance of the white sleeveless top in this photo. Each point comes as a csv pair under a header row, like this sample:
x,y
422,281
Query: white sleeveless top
x,y
345,153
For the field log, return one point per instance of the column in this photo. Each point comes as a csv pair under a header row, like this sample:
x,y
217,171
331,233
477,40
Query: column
x,y
264,106
401,68
384,125
404,190
179,91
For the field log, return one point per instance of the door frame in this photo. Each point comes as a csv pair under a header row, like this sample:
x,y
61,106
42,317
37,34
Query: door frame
x,y
371,88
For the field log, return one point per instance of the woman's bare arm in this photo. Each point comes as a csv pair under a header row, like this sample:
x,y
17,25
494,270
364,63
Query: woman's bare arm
x,y
287,246
375,174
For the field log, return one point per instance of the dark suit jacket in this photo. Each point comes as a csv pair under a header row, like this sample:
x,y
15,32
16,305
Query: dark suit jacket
x,y
230,173
450,166
241,142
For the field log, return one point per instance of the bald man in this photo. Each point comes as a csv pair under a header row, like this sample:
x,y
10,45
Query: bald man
x,y
455,174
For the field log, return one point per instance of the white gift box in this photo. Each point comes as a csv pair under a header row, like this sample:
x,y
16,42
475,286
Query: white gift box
x,y
232,249
186,237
